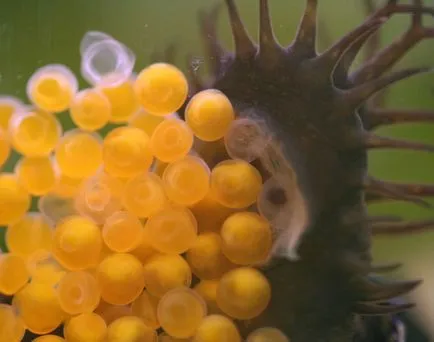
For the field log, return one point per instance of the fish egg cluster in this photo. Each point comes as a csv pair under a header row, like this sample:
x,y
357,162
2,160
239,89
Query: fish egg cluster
x,y
133,233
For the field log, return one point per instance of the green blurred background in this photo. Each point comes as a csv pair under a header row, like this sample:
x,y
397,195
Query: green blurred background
x,y
34,33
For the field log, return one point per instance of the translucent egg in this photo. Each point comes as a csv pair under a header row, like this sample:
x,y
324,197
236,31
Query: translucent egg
x,y
246,238
186,181
90,110
161,89
105,60
171,230
8,106
206,258
122,232
44,268
235,183
14,273
209,114
11,326
130,329
145,307
78,292
172,140
164,272
52,88
54,208
49,338
5,147
36,175
126,152
217,328
121,278
144,195
207,289
86,327
38,306
35,133
98,198
77,243
145,121
245,139
180,312
79,154
243,293
28,235
14,199
123,101
267,334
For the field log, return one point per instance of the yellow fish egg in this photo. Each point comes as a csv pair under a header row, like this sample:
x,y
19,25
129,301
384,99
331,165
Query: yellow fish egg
x,y
123,101
38,305
90,110
121,278
11,325
79,154
14,273
52,88
34,133
209,114
161,88
77,243
131,329
86,327
180,312
14,199
5,147
8,106
126,152
243,293
29,235
37,175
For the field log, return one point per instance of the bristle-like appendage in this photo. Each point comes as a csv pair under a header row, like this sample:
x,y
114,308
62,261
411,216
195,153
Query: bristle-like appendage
x,y
385,268
373,141
213,49
372,309
374,290
358,95
397,228
385,218
389,56
376,117
305,39
269,49
340,76
244,46
329,58
377,190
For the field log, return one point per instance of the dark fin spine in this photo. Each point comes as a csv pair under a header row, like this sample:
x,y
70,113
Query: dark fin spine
x,y
397,228
244,46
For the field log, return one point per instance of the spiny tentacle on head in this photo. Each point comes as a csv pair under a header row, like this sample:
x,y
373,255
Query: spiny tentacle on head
x,y
318,116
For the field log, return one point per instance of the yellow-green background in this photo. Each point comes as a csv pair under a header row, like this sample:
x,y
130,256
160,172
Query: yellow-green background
x,y
38,32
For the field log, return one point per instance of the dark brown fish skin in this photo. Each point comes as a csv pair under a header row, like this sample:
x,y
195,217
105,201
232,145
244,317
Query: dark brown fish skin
x,y
320,116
